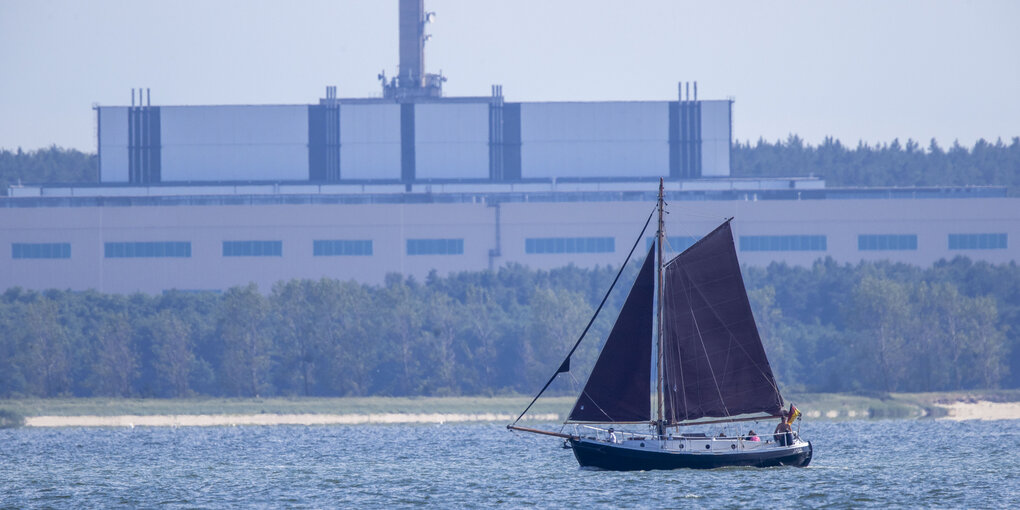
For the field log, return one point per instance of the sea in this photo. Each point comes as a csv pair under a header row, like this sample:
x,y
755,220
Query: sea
x,y
857,464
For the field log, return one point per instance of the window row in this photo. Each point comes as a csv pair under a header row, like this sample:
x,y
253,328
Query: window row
x,y
435,246
782,243
41,250
177,249
569,245
887,242
252,248
532,245
341,247
977,241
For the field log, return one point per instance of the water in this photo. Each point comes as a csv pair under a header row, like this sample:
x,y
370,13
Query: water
x,y
856,464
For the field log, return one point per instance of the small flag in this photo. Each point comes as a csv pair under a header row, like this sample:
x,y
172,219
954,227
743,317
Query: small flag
x,y
793,414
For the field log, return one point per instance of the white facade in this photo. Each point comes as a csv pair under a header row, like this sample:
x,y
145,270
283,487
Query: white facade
x,y
234,143
606,139
370,141
113,144
715,138
491,236
451,140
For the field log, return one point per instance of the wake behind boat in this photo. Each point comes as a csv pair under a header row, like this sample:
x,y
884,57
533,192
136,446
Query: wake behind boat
x,y
710,368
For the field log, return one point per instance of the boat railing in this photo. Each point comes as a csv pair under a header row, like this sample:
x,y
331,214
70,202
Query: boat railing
x,y
602,434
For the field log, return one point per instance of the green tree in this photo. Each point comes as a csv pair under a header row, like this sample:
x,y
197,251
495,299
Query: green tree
x,y
173,349
880,315
241,328
116,363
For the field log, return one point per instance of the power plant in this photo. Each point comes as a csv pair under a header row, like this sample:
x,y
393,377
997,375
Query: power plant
x,y
204,197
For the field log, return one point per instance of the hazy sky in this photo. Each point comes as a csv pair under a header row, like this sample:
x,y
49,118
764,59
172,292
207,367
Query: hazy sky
x,y
855,70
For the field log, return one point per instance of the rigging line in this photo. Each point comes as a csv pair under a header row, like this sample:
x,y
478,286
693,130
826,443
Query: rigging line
x,y
641,236
603,411
696,243
680,368
770,380
687,412
668,365
701,338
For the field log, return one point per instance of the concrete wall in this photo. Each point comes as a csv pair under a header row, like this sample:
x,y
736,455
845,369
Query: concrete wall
x,y
389,226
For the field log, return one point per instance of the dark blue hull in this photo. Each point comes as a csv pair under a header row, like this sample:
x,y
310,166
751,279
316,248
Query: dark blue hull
x,y
616,457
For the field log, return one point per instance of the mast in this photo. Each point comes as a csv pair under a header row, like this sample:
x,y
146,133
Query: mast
x,y
658,319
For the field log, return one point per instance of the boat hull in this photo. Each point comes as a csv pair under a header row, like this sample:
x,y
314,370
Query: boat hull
x,y
616,457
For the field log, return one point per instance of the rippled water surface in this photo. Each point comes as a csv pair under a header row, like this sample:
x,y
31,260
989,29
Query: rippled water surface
x,y
856,464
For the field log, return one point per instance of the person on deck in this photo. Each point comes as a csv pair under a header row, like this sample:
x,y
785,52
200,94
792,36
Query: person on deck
x,y
612,436
751,436
784,434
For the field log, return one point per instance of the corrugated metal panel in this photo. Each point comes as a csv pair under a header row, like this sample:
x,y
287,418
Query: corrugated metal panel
x,y
715,136
369,141
113,143
224,143
607,139
451,141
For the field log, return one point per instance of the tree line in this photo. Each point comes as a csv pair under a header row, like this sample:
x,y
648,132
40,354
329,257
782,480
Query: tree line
x,y
49,165
829,327
884,164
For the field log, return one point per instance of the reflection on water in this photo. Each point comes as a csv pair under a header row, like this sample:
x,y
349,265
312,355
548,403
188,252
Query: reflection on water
x,y
856,464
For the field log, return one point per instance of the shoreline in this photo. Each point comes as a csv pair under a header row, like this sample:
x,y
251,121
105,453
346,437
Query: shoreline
x,y
956,411
230,420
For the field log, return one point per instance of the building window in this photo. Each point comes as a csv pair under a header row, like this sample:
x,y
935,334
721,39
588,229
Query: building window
x,y
252,248
570,245
149,249
341,247
782,243
674,243
883,242
435,246
977,241
40,250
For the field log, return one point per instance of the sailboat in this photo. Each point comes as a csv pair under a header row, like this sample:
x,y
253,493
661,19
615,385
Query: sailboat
x,y
710,368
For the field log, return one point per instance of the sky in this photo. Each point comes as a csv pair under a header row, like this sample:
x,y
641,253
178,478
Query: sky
x,y
855,70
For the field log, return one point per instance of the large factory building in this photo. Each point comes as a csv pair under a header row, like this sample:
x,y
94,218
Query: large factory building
x,y
208,197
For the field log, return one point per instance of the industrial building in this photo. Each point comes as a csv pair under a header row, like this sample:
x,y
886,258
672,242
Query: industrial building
x,y
207,197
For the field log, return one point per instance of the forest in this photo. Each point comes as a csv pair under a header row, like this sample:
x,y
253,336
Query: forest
x,y
888,164
891,164
870,327
50,165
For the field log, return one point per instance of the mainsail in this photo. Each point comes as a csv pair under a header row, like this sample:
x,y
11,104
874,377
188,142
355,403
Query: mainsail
x,y
618,389
714,364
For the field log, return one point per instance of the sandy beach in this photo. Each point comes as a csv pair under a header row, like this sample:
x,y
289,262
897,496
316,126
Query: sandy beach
x,y
982,410
219,420
958,411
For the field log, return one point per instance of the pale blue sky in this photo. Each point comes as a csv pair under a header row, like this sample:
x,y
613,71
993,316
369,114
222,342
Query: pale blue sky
x,y
856,70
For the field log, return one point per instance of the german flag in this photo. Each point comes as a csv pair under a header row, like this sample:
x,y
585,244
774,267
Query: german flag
x,y
792,414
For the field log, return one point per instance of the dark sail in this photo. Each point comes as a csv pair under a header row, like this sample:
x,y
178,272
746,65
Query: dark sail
x,y
714,364
619,387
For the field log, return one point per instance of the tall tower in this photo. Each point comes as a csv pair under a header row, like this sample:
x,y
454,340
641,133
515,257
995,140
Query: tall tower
x,y
412,80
